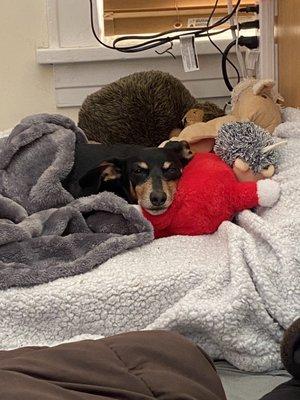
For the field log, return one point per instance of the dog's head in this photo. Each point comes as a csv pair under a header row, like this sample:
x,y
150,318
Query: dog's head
x,y
154,173
149,177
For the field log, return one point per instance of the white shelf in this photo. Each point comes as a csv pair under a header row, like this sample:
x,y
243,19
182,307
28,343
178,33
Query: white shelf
x,y
60,55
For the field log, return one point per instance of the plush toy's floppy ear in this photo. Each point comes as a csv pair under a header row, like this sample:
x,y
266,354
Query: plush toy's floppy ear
x,y
182,149
107,170
266,88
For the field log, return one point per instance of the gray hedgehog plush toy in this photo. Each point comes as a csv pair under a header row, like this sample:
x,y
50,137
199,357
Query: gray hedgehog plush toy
x,y
250,150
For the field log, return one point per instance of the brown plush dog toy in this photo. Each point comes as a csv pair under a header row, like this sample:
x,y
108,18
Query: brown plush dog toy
x,y
252,101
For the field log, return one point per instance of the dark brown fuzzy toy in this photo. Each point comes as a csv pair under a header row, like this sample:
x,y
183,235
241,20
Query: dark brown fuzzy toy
x,y
290,349
142,108
211,110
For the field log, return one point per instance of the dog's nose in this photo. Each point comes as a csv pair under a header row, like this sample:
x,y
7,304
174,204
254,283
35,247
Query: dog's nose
x,y
158,198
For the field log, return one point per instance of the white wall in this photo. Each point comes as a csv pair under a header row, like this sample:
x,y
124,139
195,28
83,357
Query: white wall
x,y
25,87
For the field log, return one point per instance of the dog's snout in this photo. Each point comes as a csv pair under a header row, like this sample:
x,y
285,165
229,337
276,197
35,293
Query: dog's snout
x,y
158,198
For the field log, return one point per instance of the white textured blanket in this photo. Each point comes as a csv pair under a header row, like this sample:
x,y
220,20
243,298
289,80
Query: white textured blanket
x,y
233,292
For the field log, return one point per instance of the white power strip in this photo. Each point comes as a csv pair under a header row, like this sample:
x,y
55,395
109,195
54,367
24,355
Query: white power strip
x,y
262,62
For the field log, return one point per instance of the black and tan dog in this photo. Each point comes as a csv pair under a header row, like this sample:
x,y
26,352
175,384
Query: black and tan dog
x,y
146,176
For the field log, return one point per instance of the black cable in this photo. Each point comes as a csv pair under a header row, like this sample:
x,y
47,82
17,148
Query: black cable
x,y
251,42
224,67
157,40
221,52
93,27
198,32
153,43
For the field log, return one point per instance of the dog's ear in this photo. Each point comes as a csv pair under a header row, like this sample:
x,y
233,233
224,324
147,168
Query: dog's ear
x,y
107,170
181,148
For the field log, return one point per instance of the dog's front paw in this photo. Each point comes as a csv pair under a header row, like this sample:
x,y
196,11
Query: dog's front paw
x,y
181,148
268,192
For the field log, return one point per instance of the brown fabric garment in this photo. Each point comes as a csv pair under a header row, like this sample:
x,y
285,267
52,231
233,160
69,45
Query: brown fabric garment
x,y
131,366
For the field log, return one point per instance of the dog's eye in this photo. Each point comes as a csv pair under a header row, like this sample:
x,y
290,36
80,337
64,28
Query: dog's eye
x,y
139,171
170,170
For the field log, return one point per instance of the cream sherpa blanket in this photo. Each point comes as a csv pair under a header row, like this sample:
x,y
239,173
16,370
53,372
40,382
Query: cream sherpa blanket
x,y
233,292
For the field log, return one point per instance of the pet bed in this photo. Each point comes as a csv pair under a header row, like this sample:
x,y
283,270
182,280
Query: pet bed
x,y
233,292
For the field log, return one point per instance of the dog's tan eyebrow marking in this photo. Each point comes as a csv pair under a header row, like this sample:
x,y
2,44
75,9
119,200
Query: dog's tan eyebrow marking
x,y
143,165
166,165
110,172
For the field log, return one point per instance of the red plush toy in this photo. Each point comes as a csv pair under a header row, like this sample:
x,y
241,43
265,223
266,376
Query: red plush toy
x,y
208,193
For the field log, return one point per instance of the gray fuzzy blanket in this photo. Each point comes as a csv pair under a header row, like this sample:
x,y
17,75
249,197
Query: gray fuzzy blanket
x,y
44,233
